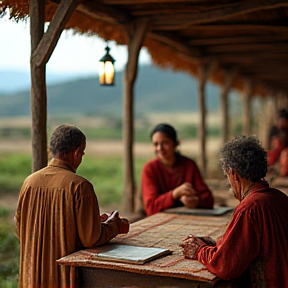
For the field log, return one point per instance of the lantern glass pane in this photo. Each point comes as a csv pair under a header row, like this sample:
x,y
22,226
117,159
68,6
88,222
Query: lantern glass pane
x,y
101,73
109,72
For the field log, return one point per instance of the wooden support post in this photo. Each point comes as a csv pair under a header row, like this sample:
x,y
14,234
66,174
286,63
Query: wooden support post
x,y
285,96
247,108
38,88
205,70
50,38
202,126
281,101
224,105
274,103
270,115
136,34
266,120
42,46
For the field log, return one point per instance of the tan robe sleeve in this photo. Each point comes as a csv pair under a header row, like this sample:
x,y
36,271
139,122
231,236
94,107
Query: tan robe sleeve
x,y
91,231
18,212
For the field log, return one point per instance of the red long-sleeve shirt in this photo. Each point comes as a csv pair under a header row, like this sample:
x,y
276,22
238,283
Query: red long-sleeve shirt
x,y
273,155
256,238
279,155
158,182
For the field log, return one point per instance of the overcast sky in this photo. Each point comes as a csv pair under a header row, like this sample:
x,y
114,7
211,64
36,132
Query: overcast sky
x,y
75,55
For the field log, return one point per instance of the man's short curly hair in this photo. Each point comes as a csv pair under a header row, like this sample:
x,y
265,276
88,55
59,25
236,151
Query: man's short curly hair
x,y
247,156
65,139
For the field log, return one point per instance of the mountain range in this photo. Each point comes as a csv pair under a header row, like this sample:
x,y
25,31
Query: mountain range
x,y
155,91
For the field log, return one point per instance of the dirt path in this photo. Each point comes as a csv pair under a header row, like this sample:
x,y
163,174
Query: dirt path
x,y
191,148
113,148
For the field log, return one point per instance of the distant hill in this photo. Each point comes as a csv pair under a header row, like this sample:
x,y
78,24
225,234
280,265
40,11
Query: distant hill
x,y
155,91
15,81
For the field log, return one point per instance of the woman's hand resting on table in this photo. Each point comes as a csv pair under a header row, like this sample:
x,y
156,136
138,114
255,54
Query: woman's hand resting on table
x,y
190,201
186,194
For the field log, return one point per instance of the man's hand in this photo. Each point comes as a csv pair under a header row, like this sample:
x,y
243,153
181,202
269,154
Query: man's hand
x,y
104,216
122,223
124,226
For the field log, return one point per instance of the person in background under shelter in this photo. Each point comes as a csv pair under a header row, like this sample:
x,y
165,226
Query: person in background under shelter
x,y
253,252
172,180
58,214
278,156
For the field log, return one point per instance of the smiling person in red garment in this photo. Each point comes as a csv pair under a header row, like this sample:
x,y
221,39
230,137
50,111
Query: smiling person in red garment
x,y
58,213
172,180
253,252
278,157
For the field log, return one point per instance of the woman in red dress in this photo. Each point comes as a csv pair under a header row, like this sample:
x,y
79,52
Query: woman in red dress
x,y
172,180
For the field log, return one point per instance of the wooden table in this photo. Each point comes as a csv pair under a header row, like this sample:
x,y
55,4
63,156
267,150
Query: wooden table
x,y
161,230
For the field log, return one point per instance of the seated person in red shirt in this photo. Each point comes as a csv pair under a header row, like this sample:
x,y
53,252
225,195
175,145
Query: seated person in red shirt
x,y
278,157
253,252
172,180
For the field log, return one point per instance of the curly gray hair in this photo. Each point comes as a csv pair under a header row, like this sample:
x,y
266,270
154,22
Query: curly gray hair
x,y
247,156
65,139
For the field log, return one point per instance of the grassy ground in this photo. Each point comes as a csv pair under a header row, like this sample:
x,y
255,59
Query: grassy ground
x,y
106,174
102,165
9,250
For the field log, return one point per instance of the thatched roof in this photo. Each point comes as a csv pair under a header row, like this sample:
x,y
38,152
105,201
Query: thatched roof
x,y
249,37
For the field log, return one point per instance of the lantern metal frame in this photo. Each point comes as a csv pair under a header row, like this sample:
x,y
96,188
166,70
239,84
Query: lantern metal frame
x,y
106,59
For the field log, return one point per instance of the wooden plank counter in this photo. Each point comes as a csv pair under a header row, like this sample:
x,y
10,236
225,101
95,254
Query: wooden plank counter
x,y
161,230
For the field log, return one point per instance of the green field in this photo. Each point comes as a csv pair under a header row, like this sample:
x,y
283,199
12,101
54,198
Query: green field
x,y
104,171
106,174
112,129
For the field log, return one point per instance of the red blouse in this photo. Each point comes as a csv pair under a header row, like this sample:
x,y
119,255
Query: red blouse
x,y
273,155
279,155
158,182
256,238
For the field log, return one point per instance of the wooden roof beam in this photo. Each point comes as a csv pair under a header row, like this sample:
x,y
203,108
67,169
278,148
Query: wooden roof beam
x,y
193,55
180,21
262,80
243,27
49,40
274,69
253,56
265,69
130,2
273,73
187,54
241,74
245,48
238,40
107,13
177,44
274,85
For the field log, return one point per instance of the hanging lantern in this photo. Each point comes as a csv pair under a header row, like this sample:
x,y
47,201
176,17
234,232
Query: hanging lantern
x,y
106,69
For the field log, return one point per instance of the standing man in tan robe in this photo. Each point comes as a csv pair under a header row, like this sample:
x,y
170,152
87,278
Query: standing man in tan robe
x,y
58,214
